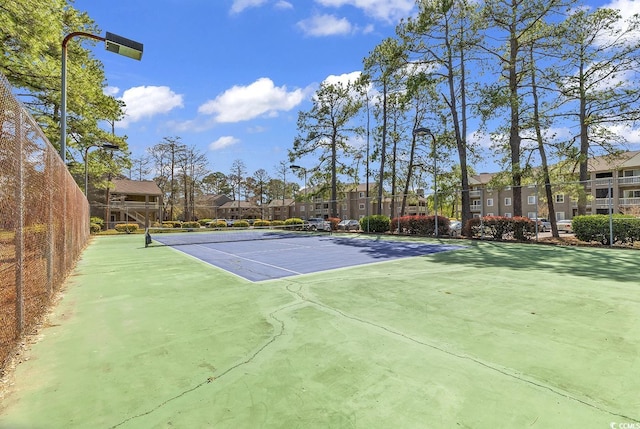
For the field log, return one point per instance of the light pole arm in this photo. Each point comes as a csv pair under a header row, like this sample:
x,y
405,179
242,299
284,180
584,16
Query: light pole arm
x,y
114,43
63,97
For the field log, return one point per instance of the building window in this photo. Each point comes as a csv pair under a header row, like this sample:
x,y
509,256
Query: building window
x,y
560,216
507,215
560,198
489,202
532,215
361,195
344,207
303,208
361,206
507,201
489,214
531,199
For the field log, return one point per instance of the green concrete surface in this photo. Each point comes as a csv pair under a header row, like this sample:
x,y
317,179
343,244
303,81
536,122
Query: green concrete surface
x,y
494,336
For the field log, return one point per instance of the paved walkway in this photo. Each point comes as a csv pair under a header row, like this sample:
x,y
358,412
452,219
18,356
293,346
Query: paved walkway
x,y
493,336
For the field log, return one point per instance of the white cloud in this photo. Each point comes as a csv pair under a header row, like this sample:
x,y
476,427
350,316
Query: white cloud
x,y
240,5
385,10
368,29
148,101
111,90
627,8
223,142
630,135
325,25
343,79
283,5
242,103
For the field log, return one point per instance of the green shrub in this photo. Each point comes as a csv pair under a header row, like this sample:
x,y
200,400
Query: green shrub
x,y
97,220
218,224
375,223
500,228
523,228
261,222
626,229
241,224
127,227
204,222
294,221
420,225
95,228
172,224
277,222
190,225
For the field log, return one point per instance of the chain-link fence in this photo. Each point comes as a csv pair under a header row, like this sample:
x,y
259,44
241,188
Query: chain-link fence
x,y
44,221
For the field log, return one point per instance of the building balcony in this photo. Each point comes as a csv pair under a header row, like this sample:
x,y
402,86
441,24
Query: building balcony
x,y
134,205
629,202
631,180
475,194
604,182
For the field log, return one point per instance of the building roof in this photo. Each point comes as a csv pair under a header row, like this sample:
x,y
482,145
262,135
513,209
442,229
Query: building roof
x,y
609,162
214,200
135,187
234,204
481,179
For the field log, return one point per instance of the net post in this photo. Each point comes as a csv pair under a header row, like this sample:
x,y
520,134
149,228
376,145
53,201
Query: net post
x,y
147,237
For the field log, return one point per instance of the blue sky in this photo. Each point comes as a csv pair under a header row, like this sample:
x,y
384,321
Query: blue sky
x,y
230,76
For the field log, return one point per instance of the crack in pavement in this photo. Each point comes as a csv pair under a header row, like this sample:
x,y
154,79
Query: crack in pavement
x,y
504,372
251,357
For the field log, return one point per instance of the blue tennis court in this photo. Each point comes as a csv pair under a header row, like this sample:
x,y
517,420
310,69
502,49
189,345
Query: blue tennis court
x,y
259,260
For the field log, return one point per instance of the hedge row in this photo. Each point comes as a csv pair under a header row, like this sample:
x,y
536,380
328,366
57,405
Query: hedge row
x,y
420,225
626,229
127,227
501,228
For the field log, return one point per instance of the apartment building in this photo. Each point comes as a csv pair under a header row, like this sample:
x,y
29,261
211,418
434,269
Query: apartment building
x,y
134,201
614,184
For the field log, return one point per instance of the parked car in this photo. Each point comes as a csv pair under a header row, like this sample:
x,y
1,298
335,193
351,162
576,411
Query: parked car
x,y
317,224
455,228
349,225
543,224
564,226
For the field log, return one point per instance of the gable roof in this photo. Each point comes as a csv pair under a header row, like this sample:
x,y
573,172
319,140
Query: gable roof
x,y
235,204
135,187
608,162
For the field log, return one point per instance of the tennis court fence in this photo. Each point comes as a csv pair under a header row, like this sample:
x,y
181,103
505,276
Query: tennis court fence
x,y
43,222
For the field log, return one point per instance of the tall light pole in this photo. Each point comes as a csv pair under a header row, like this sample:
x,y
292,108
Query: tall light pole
x,y
295,168
113,43
421,132
86,158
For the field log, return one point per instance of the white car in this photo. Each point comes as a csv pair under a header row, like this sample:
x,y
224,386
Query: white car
x,y
564,226
317,224
543,224
349,225
455,228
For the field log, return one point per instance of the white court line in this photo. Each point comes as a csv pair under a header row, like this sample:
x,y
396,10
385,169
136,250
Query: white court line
x,y
250,260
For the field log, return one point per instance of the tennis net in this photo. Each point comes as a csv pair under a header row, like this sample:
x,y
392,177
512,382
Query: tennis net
x,y
186,236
